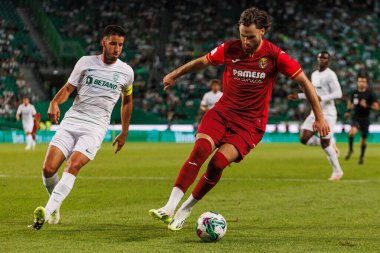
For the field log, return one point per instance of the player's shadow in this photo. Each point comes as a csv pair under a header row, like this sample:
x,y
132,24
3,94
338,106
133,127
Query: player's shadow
x,y
113,232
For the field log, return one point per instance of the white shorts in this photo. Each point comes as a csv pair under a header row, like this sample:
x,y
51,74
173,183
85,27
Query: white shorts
x,y
309,121
28,126
81,139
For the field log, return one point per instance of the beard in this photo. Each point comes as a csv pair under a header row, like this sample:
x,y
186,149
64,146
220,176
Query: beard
x,y
110,58
252,48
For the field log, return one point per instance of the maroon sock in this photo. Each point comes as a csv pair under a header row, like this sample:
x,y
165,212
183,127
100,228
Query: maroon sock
x,y
211,177
189,171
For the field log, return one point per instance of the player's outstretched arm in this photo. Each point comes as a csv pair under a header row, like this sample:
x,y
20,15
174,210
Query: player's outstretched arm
x,y
192,66
61,97
320,124
126,113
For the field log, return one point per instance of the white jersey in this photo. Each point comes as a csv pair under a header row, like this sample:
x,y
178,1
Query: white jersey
x,y
27,113
99,86
210,98
328,88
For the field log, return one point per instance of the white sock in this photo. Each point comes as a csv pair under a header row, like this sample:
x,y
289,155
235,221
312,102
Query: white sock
x,y
314,141
333,159
50,182
174,199
189,203
60,192
29,140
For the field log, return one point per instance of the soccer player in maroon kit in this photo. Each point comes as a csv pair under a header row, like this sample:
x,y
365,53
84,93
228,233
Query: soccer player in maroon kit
x,y
237,122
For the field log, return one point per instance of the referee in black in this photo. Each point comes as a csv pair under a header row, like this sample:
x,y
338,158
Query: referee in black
x,y
361,102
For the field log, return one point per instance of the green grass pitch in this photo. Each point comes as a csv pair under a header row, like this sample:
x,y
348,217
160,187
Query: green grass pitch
x,y
277,200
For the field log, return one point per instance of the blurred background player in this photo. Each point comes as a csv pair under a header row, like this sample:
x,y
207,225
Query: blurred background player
x,y
28,112
36,126
328,88
99,81
237,122
209,99
362,100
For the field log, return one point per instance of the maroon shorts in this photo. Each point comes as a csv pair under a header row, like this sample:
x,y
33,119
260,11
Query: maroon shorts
x,y
223,130
34,131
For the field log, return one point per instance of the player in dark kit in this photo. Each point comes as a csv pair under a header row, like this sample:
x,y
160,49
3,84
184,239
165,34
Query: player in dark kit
x,y
237,122
362,100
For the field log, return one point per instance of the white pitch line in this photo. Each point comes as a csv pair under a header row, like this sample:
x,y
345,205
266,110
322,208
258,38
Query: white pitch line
x,y
296,180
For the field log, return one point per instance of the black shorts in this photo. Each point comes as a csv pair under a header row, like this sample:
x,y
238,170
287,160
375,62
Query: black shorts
x,y
362,124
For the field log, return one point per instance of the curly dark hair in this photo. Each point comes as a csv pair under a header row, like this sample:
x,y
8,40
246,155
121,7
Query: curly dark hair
x,y
114,30
255,16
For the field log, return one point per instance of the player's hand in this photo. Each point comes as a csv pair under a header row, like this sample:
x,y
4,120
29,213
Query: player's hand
x,y
168,81
120,140
363,103
346,115
53,112
321,127
293,97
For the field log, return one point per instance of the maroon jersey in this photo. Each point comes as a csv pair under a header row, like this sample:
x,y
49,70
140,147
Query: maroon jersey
x,y
248,80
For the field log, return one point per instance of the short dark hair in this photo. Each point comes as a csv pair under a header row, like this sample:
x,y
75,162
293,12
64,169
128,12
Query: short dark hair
x,y
362,75
255,16
217,81
324,52
113,30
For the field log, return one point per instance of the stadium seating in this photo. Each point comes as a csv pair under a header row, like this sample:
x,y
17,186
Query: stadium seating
x,y
16,48
162,36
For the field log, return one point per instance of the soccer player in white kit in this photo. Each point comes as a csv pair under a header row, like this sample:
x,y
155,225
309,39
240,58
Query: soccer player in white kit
x,y
28,112
99,81
210,98
328,88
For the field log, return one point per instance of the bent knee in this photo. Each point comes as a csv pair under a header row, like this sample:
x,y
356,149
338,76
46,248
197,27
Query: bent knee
x,y
73,166
49,170
218,162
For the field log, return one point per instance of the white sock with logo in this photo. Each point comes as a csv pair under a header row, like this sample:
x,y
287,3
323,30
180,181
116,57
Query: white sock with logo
x,y
174,199
189,203
60,192
50,182
333,159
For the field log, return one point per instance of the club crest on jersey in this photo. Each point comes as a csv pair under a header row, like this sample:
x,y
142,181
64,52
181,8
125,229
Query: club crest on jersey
x,y
115,77
263,63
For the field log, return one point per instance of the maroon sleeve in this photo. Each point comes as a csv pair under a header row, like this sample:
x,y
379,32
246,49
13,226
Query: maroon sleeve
x,y
216,56
288,66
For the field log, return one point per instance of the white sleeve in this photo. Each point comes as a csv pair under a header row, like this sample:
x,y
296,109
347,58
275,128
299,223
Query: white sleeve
x,y
335,87
34,110
18,109
301,96
76,74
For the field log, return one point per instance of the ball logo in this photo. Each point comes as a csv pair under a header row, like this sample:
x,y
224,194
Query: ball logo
x,y
263,63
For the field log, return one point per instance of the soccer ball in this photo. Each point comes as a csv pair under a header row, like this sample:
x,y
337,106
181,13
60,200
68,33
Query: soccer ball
x,y
211,227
